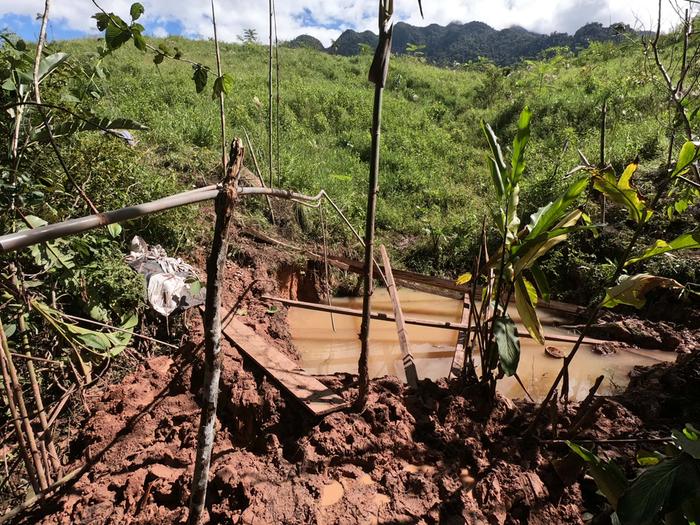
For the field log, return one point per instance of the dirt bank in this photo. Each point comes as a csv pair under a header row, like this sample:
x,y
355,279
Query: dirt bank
x,y
434,455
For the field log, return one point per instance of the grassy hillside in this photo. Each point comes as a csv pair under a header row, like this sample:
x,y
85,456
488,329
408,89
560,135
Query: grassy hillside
x,y
435,186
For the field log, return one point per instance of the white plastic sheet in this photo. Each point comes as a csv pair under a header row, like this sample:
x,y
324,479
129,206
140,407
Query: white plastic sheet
x,y
171,283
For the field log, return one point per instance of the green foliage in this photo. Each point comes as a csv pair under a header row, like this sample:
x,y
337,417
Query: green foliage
x,y
610,479
507,343
632,290
667,491
433,186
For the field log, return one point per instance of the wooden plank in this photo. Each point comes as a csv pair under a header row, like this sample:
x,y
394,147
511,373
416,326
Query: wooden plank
x,y
409,366
358,313
314,395
460,348
446,325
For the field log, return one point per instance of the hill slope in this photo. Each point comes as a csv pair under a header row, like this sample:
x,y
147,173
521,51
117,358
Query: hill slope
x,y
435,185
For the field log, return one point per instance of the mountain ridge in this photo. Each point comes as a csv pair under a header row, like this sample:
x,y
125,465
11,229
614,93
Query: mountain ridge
x,y
466,42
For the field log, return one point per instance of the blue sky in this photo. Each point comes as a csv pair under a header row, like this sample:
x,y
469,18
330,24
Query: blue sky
x,y
326,19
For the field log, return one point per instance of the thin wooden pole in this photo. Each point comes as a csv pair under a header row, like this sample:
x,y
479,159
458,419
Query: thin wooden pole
x,y
48,449
269,102
377,75
409,365
259,174
16,421
222,113
16,389
216,265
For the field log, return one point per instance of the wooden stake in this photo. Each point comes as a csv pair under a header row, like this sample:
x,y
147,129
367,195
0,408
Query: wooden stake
x,y
216,264
16,421
460,348
408,365
48,449
16,388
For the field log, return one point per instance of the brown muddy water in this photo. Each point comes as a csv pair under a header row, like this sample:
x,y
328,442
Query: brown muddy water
x,y
324,351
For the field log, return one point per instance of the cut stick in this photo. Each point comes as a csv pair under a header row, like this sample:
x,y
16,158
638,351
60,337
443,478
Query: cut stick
x,y
409,366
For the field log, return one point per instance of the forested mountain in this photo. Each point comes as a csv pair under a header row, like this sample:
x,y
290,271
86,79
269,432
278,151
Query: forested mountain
x,y
461,43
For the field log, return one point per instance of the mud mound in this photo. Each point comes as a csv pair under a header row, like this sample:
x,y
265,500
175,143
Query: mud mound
x,y
429,458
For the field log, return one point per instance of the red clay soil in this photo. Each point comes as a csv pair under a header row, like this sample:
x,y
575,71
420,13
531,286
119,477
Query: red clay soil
x,y
428,456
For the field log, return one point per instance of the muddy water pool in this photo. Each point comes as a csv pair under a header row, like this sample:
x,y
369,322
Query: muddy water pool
x,y
325,351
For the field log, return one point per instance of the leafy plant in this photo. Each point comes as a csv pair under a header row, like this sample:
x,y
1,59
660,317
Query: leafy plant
x,y
666,491
515,262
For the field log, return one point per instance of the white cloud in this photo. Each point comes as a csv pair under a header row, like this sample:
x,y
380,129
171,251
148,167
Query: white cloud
x,y
326,19
160,32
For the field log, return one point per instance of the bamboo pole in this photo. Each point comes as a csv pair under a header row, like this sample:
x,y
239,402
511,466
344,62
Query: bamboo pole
x,y
259,174
216,265
408,365
16,389
377,75
48,449
16,421
269,101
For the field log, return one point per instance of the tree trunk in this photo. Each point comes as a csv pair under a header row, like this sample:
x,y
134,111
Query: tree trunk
x,y
216,264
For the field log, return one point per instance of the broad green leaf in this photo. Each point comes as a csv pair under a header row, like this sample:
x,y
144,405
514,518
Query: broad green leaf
x,y
35,222
535,248
49,63
464,278
102,20
686,157
545,217
519,145
686,241
525,302
541,281
691,510
115,36
136,10
223,84
687,445
506,336
139,41
496,177
620,193
647,458
10,330
158,58
655,490
626,177
200,78
114,230
632,291
195,286
608,477
496,156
